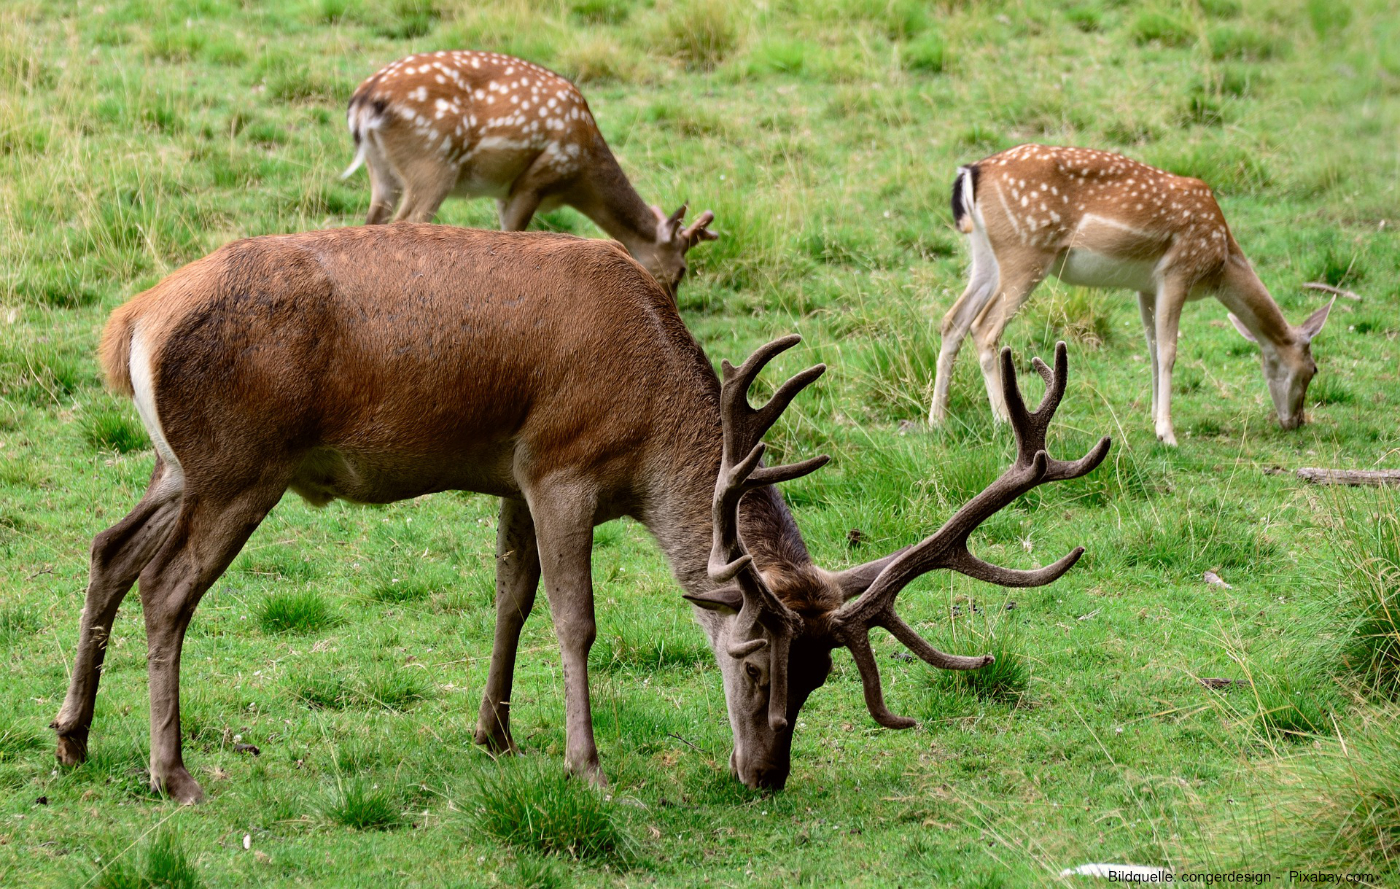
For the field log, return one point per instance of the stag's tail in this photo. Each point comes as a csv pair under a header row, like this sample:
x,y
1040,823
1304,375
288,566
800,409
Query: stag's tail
x,y
964,194
115,351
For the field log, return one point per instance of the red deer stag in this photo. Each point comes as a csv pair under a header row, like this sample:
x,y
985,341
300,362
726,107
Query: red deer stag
x,y
1097,219
547,370
481,124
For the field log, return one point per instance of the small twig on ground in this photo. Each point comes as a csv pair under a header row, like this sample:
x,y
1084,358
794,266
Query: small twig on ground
x,y
685,742
1374,477
1328,288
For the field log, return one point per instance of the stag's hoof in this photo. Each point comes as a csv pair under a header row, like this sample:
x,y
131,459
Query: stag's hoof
x,y
72,748
498,741
589,771
180,786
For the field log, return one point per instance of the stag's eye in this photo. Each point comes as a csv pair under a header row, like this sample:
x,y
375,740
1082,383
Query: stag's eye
x,y
754,672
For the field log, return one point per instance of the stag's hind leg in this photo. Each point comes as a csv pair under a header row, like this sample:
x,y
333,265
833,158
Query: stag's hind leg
x,y
118,555
517,580
207,534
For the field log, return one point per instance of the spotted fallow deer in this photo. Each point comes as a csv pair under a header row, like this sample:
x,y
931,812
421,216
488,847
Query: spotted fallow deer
x,y
1097,219
481,124
547,370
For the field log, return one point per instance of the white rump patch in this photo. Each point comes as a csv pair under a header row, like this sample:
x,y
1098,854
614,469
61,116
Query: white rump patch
x,y
144,395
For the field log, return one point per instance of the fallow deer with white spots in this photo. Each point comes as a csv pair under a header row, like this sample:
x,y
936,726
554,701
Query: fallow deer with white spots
x,y
482,124
1096,219
379,363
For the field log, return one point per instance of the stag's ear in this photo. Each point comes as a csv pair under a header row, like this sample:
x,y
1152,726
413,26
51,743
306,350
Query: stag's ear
x,y
725,600
1239,325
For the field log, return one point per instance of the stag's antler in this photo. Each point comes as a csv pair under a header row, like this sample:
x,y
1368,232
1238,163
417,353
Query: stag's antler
x,y
740,472
948,547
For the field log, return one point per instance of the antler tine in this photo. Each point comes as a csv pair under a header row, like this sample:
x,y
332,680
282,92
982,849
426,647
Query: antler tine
x,y
698,230
859,644
744,427
947,548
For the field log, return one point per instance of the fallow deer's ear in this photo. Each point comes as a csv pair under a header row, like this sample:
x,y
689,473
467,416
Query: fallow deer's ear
x,y
1239,325
1313,326
668,227
660,213
725,600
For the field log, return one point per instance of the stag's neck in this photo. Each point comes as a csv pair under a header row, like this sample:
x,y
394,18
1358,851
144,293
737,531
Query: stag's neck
x,y
608,198
679,516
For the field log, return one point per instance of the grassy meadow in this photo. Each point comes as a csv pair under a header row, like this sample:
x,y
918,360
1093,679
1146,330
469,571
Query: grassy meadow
x,y
349,645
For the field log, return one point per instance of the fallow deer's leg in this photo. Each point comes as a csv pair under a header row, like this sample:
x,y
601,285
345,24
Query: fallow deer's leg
x,y
118,555
981,287
384,187
1171,295
205,538
1147,308
1017,283
564,529
427,183
516,211
517,579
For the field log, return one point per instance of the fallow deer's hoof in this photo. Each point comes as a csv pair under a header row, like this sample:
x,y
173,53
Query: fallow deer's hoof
x,y
180,786
72,747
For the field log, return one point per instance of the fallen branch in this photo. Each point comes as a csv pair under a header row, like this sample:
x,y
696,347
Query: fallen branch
x,y
1375,477
1328,288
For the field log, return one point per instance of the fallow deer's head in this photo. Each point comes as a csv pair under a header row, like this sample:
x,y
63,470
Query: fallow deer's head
x,y
1289,366
665,257
773,656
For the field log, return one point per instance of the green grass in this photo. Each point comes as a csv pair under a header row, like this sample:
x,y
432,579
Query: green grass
x,y
538,808
350,645
362,806
160,863
1368,549
295,611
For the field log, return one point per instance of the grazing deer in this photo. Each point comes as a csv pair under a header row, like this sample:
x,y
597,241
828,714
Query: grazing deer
x,y
1097,219
481,124
548,370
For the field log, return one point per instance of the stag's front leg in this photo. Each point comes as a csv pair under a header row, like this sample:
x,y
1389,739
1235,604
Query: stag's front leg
x,y
517,579
564,525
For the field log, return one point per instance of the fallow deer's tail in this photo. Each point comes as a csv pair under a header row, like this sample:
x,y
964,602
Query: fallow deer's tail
x,y
964,194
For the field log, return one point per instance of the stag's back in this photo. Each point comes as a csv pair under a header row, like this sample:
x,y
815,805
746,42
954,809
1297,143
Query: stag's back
x,y
401,359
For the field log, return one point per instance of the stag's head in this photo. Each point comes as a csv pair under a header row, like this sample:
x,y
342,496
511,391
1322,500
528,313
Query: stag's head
x,y
665,256
773,634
